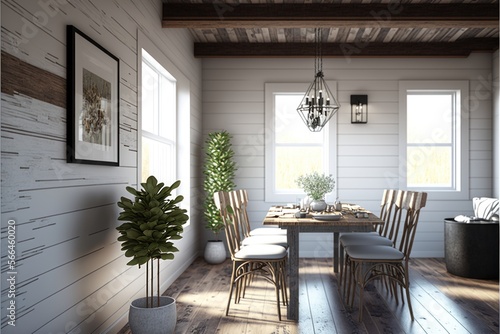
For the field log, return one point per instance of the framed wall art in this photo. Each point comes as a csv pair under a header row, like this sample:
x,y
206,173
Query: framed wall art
x,y
93,101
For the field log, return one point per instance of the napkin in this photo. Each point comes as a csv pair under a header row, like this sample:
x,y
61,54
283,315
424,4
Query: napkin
x,y
485,207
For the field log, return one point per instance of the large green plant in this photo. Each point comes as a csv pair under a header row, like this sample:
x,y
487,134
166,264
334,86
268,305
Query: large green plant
x,y
219,172
152,220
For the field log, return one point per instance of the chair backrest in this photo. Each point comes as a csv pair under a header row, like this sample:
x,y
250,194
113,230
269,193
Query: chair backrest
x,y
236,203
393,218
245,221
414,201
222,200
386,207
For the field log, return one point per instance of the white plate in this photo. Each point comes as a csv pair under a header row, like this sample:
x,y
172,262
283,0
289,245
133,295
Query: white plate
x,y
327,217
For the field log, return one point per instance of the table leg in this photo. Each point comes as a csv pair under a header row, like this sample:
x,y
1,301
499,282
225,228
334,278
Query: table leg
x,y
336,252
341,257
293,272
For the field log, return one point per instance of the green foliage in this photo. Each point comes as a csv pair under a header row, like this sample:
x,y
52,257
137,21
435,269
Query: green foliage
x,y
219,172
152,220
316,185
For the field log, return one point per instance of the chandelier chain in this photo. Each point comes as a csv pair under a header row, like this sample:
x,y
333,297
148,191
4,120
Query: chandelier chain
x,y
320,53
318,61
315,51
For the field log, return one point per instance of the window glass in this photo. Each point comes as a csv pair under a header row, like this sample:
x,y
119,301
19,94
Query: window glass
x,y
430,118
429,166
164,120
289,127
158,155
150,98
155,157
291,162
297,150
291,148
168,103
431,139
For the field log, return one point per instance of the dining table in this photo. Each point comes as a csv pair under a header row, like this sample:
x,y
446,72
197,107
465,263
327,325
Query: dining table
x,y
352,218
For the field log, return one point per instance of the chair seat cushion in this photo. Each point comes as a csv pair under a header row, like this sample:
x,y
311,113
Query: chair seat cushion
x,y
375,253
267,231
367,239
264,252
279,240
348,234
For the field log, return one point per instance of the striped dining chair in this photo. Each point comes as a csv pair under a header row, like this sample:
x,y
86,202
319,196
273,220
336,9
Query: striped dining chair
x,y
266,261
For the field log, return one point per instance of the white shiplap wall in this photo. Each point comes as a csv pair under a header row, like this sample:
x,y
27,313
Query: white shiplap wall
x,y
367,155
496,125
71,274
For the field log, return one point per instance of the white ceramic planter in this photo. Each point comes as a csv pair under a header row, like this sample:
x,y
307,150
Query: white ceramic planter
x,y
155,320
215,252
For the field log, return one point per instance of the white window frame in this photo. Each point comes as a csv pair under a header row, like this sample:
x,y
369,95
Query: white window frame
x,y
330,142
183,121
461,136
161,117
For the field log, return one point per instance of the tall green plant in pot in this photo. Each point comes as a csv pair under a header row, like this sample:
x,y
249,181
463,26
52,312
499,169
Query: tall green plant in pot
x,y
152,221
219,170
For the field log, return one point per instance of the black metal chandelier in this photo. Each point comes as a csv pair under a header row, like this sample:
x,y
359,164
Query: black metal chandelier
x,y
318,104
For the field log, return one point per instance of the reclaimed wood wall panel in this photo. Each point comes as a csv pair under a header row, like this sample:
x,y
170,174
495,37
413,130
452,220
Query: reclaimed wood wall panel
x,y
23,78
71,274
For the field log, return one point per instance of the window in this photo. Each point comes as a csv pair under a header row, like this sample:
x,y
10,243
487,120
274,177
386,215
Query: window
x,y
158,121
164,124
291,149
434,129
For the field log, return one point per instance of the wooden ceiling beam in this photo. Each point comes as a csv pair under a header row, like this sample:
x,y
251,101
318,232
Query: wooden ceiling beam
x,y
391,15
462,48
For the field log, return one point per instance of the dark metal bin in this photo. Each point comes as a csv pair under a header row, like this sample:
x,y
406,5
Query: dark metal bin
x,y
471,249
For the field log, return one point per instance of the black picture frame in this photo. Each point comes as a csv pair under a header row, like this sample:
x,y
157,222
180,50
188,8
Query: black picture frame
x,y
93,99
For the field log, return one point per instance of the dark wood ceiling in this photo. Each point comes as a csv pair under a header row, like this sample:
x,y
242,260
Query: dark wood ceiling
x,y
354,28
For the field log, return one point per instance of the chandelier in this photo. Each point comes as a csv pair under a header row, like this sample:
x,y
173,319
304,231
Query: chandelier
x,y
318,104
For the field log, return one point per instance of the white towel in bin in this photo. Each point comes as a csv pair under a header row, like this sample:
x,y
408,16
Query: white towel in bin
x,y
484,207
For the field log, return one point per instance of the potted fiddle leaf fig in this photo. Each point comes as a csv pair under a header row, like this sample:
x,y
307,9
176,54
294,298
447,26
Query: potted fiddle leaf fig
x,y
219,170
152,221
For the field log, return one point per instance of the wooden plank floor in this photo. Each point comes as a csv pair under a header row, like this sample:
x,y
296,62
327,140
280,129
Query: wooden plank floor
x,y
442,303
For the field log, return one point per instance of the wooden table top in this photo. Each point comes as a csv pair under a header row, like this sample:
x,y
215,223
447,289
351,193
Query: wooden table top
x,y
283,216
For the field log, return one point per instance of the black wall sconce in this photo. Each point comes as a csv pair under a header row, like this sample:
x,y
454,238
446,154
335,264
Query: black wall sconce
x,y
359,108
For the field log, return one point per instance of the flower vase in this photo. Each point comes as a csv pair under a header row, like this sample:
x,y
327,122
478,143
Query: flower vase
x,y
318,205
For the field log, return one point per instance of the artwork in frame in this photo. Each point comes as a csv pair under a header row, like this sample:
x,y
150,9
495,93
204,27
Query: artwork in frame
x,y
93,101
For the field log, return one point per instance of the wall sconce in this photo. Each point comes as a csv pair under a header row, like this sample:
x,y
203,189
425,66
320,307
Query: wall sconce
x,y
359,108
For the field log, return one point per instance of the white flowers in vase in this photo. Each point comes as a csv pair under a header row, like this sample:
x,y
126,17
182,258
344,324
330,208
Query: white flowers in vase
x,y
316,185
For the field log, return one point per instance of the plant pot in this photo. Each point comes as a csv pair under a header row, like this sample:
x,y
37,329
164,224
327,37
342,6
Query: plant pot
x,y
318,205
154,320
215,252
